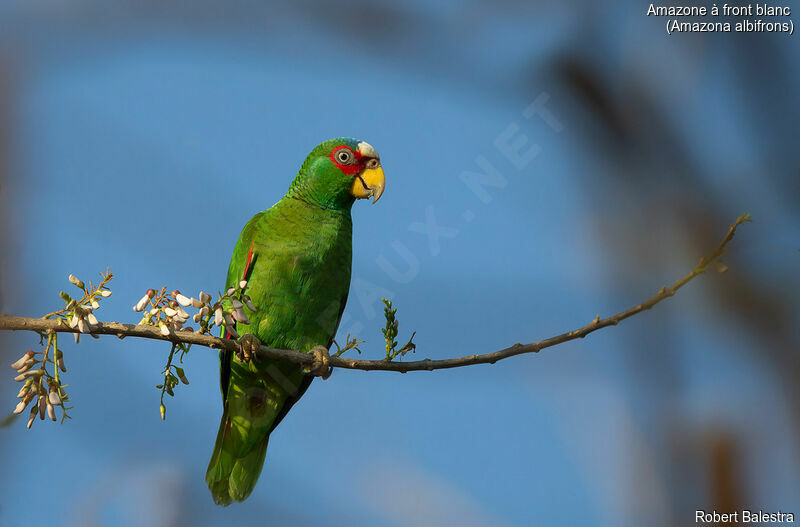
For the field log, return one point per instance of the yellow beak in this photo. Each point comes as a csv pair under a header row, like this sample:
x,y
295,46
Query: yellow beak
x,y
369,183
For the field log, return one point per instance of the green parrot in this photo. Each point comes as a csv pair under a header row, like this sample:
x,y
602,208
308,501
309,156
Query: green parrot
x,y
296,259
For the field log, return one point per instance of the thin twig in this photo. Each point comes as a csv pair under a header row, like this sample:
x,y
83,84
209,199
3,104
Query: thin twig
x,y
151,332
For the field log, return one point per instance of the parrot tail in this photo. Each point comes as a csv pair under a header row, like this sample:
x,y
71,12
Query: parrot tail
x,y
231,476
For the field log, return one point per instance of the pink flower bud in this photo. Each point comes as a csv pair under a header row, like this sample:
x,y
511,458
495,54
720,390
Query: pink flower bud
x,y
53,397
218,316
51,411
42,407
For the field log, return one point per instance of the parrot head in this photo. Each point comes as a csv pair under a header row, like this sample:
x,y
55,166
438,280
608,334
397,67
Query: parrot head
x,y
338,172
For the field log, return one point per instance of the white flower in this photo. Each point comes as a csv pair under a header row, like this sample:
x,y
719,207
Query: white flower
x,y
204,297
239,315
105,293
164,329
42,406
92,319
242,284
197,317
53,397
249,303
26,357
25,389
140,305
73,321
74,281
22,404
31,418
95,304
183,300
51,411
82,326
77,337
230,291
218,317
197,304
170,312
182,313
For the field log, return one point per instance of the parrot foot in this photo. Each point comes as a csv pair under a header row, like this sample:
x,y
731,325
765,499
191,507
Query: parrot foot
x,y
321,367
248,345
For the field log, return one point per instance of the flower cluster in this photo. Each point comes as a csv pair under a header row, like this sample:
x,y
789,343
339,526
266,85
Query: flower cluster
x,y
79,313
167,311
38,384
44,390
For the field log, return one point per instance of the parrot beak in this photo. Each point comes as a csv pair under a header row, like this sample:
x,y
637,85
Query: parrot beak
x,y
369,183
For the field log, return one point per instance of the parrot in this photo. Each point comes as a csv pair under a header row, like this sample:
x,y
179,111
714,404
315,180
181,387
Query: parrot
x,y
294,260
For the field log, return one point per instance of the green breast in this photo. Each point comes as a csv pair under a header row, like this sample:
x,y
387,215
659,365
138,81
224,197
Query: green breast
x,y
300,273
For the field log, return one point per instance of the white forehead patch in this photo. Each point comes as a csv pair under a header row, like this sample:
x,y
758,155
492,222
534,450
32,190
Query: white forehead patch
x,y
367,150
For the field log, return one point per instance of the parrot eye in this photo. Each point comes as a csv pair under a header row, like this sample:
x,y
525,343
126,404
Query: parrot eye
x,y
373,163
344,156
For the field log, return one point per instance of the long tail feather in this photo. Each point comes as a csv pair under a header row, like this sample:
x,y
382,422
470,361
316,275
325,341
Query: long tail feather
x,y
231,476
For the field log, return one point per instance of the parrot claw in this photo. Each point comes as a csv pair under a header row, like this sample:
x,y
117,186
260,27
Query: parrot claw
x,y
248,345
321,367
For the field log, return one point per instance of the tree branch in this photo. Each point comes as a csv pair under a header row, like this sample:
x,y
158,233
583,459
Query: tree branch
x,y
41,325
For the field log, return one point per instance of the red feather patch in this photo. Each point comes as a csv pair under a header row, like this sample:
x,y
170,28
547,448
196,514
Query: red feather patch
x,y
350,170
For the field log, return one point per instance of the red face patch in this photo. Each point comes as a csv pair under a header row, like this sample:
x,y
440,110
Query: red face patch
x,y
348,161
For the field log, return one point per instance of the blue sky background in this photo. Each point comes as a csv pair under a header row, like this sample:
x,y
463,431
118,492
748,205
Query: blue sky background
x,y
144,140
